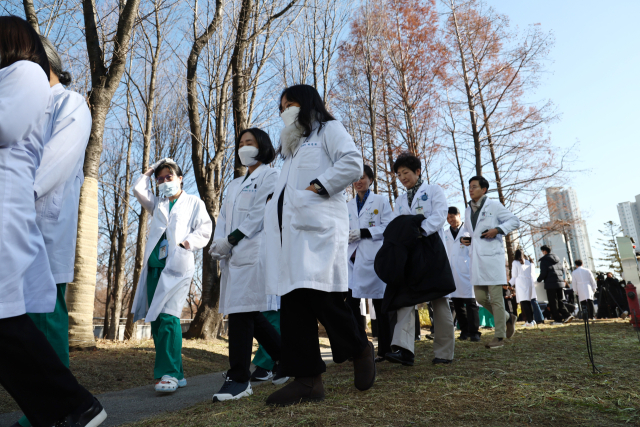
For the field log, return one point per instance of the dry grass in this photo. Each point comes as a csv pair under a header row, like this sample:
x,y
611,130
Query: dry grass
x,y
541,377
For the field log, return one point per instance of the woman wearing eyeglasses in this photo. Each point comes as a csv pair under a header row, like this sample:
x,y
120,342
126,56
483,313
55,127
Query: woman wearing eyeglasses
x,y
180,226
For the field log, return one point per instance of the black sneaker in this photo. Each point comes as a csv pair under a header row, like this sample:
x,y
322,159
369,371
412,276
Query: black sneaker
x,y
400,356
429,337
279,378
232,390
568,320
475,337
463,336
261,374
437,361
92,417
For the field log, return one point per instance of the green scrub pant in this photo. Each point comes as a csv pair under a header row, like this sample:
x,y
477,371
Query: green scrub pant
x,y
262,358
167,336
54,326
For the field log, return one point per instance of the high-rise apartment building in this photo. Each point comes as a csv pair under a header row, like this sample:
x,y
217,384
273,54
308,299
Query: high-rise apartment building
x,y
629,213
564,210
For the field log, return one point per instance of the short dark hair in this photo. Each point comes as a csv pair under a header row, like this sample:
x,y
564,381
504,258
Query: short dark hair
x,y
168,165
312,108
481,180
368,171
519,256
266,152
545,248
20,42
579,262
453,210
409,161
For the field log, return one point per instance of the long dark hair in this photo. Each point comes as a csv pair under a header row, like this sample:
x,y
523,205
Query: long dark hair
x,y
519,255
20,42
312,107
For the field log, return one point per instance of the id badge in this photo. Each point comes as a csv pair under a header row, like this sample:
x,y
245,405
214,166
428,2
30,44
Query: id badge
x,y
419,210
164,246
372,223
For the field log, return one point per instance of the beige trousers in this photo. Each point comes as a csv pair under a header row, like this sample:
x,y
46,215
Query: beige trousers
x,y
444,340
491,298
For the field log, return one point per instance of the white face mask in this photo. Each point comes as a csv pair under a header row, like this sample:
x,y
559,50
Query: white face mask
x,y
290,115
247,155
169,189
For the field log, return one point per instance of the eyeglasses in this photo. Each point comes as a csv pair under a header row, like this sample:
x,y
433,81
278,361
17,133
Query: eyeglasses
x,y
166,178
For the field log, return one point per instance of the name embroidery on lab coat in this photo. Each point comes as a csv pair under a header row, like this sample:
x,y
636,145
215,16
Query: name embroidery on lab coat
x,y
309,144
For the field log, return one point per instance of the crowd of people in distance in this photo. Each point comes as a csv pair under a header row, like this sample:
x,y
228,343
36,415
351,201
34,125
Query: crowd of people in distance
x,y
293,252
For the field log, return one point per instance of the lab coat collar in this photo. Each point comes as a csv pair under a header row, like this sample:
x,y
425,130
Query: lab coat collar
x,y
419,193
367,203
459,232
163,206
257,173
57,89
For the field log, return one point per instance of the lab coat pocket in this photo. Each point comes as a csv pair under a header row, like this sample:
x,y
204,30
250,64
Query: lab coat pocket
x,y
246,253
244,200
309,211
309,157
54,204
181,263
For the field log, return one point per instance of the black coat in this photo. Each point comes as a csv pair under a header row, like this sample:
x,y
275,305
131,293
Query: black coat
x,y
415,268
552,272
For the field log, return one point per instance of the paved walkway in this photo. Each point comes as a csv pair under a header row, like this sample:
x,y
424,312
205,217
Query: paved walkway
x,y
127,406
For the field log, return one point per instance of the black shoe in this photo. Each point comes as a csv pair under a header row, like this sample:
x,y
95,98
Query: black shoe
x,y
437,361
568,320
92,417
463,336
279,378
429,337
232,390
380,359
400,356
475,338
261,374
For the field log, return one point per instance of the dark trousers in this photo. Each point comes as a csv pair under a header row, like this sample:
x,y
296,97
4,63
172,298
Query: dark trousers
x,y
527,310
558,311
32,373
384,328
243,328
417,327
354,305
300,311
467,314
591,309
431,317
537,313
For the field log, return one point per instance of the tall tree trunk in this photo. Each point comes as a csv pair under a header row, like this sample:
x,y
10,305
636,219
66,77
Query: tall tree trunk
x,y
112,253
372,120
30,15
459,166
394,184
104,83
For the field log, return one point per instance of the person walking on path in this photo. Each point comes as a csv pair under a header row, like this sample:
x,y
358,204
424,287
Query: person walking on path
x,y
486,221
552,273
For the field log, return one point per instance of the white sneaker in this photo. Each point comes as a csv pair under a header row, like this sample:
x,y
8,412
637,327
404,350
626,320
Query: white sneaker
x,y
167,384
528,325
182,383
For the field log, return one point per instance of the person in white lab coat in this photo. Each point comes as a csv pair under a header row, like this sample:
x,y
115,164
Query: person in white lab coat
x,y
584,285
522,278
30,370
307,229
429,200
369,215
486,221
180,226
464,300
238,242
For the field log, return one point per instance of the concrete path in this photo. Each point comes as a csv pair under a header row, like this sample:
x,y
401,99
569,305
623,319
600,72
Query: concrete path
x,y
127,406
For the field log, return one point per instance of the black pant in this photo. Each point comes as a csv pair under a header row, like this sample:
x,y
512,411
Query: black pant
x,y
354,305
243,328
527,310
431,317
300,311
591,309
558,311
467,314
32,373
384,328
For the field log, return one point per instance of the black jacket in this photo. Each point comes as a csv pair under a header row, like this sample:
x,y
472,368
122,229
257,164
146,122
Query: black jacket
x,y
414,267
551,272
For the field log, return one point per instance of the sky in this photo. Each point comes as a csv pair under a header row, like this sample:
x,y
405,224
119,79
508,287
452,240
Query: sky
x,y
593,81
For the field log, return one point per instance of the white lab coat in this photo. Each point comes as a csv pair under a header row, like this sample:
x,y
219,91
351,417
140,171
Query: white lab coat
x,y
584,285
432,200
374,216
522,277
460,263
188,220
242,278
26,283
488,255
315,229
59,178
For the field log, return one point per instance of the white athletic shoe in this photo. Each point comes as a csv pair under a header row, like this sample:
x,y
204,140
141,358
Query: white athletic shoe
x,y
168,384
182,383
528,325
232,390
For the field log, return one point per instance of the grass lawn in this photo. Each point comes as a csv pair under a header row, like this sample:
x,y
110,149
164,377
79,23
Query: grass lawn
x,y
541,378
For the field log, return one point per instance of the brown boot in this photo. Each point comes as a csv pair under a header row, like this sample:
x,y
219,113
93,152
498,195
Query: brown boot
x,y
302,389
364,368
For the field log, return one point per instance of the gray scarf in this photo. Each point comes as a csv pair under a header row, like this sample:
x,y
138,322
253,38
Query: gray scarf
x,y
412,191
477,205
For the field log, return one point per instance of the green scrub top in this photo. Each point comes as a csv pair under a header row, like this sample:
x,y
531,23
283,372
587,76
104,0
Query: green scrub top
x,y
154,260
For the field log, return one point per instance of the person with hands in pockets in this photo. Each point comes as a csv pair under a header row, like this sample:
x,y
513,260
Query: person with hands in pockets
x,y
429,200
238,243
180,226
486,221
369,215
